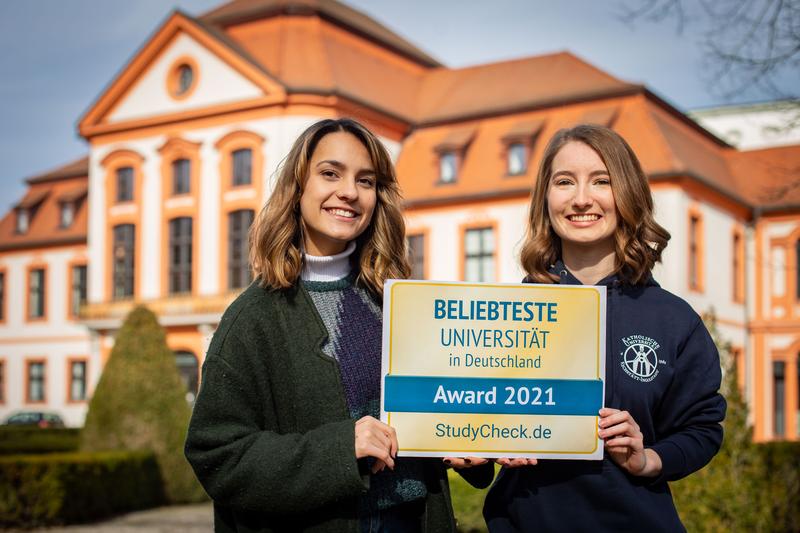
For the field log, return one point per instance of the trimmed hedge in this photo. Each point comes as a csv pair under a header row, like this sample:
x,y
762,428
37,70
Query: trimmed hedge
x,y
27,440
65,488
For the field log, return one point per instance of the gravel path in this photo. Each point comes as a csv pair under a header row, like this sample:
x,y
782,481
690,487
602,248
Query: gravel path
x,y
178,518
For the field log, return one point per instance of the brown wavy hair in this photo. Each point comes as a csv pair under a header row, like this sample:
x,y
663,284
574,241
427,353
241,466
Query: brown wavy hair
x,y
638,240
276,236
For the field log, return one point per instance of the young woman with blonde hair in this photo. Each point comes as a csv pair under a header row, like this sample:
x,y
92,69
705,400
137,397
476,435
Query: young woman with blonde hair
x,y
284,435
591,222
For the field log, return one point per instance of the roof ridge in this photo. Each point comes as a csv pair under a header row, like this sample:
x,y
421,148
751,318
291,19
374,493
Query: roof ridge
x,y
237,11
75,168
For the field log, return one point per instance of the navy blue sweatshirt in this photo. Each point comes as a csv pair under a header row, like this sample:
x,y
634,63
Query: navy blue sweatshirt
x,y
663,368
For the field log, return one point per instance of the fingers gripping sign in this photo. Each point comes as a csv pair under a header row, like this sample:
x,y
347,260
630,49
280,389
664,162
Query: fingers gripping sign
x,y
378,440
464,462
624,443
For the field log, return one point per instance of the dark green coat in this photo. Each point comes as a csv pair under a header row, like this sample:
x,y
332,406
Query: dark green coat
x,y
271,439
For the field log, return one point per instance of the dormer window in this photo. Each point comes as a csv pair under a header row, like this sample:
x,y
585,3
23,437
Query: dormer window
x,y
452,150
518,142
448,167
67,214
23,220
517,158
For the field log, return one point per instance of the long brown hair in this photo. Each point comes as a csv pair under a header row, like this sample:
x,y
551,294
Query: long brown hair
x,y
276,237
638,240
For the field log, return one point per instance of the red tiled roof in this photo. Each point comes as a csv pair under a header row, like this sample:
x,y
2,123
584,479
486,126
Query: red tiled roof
x,y
45,194
451,94
79,167
665,143
769,177
239,11
310,46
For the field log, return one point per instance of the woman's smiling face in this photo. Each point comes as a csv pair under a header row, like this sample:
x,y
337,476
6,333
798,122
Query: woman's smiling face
x,y
339,195
580,200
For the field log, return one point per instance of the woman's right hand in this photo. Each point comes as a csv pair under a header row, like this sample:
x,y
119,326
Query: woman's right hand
x,y
516,462
378,440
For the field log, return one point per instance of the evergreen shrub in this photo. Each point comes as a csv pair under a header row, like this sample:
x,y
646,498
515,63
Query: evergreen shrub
x,y
140,404
26,440
747,486
63,488
781,465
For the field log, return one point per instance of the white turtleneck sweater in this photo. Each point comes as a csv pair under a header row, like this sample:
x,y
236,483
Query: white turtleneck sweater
x,y
328,267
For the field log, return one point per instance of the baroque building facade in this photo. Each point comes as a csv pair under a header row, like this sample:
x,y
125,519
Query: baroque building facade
x,y
185,141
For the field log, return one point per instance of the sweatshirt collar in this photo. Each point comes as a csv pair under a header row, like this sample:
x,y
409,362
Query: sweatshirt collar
x,y
612,280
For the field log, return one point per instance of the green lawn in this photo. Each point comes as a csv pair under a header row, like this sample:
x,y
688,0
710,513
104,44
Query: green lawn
x,y
467,504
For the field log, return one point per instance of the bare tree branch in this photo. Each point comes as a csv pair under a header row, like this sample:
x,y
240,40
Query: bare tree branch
x,y
750,45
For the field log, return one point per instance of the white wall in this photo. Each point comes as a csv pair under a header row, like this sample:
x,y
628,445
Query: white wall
x,y
54,339
443,229
216,83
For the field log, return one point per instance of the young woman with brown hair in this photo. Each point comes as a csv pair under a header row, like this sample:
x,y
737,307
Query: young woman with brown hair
x,y
591,222
284,435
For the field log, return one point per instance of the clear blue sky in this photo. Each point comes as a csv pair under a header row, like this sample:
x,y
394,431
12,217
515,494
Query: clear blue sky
x,y
58,55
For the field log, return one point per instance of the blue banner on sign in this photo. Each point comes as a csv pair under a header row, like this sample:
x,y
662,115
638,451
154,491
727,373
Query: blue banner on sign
x,y
426,394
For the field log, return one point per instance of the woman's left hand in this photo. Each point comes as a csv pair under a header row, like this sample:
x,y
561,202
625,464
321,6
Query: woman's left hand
x,y
624,443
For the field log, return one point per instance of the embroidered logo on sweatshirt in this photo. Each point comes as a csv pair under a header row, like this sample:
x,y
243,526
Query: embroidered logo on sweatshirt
x,y
640,360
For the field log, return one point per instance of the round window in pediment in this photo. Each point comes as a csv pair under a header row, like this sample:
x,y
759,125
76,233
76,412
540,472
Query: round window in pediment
x,y
182,78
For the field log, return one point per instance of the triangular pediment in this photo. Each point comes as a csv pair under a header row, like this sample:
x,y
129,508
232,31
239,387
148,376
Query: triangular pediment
x,y
155,87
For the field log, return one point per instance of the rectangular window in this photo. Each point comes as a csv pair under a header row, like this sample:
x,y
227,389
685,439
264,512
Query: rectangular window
x,y
181,169
517,158
448,167
779,396
479,248
238,262
125,184
123,260
36,376
2,296
36,293
180,255
22,220
77,381
78,289
242,166
694,252
67,214
416,253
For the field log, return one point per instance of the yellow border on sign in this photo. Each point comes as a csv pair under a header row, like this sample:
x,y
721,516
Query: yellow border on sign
x,y
493,285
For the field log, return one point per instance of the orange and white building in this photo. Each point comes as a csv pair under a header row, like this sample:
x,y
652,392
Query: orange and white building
x,y
185,141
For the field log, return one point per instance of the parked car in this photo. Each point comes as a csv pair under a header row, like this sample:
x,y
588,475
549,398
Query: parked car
x,y
35,418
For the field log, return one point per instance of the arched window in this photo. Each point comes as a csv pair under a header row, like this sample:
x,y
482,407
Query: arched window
x,y
242,161
180,255
188,369
239,223
123,260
